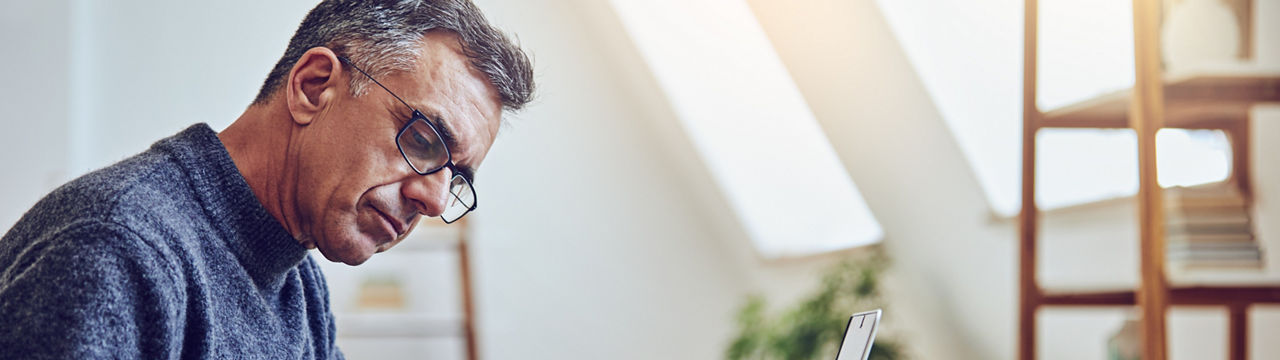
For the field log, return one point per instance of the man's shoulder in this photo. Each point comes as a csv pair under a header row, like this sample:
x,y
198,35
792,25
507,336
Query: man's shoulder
x,y
151,181
144,182
125,198
75,242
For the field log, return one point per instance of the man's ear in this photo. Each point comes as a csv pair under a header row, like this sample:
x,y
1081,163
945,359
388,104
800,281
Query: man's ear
x,y
313,84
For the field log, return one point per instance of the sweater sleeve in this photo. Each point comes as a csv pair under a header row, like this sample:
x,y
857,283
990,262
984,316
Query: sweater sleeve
x,y
90,290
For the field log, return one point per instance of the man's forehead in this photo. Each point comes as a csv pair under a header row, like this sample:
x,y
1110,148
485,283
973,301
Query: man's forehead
x,y
458,100
446,75
461,121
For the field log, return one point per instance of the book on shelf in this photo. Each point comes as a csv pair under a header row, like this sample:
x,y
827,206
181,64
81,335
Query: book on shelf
x,y
1225,217
1209,226
1209,261
1216,255
1210,265
1212,248
1224,238
1215,193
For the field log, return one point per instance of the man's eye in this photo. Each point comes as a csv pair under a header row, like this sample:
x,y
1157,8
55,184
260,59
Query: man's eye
x,y
421,140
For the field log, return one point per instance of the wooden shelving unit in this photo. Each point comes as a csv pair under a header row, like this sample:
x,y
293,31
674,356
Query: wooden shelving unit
x,y
406,331
1195,102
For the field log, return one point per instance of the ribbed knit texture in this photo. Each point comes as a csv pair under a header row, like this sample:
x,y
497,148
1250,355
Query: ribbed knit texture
x,y
164,255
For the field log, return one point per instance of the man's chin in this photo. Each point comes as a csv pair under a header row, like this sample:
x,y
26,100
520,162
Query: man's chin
x,y
353,261
354,253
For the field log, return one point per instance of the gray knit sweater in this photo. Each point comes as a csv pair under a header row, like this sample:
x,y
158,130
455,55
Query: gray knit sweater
x,y
164,255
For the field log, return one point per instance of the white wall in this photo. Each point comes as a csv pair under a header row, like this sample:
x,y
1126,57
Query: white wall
x,y
586,247
89,82
147,69
34,102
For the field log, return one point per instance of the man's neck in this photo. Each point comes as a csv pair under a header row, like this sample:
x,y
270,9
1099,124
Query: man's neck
x,y
258,142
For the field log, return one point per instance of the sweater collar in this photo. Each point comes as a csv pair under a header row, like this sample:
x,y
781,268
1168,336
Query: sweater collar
x,y
265,249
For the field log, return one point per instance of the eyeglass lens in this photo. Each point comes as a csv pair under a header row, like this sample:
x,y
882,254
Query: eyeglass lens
x,y
462,198
423,147
426,152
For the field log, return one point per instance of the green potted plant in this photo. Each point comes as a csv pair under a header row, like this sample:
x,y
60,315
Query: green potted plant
x,y
812,329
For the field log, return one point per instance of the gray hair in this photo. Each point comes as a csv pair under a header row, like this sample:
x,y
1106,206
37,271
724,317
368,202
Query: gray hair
x,y
383,36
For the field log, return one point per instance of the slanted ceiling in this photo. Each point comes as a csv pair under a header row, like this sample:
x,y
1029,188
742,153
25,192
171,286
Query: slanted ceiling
x,y
749,125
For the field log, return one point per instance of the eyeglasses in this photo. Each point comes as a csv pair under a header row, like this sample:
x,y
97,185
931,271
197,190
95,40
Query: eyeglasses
x,y
426,152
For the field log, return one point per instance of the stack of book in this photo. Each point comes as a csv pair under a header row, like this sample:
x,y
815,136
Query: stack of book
x,y
1208,226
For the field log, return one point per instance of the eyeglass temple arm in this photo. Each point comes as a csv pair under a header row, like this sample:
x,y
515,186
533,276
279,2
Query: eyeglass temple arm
x,y
375,81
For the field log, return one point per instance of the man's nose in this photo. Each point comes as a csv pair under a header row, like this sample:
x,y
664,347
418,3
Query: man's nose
x,y
428,192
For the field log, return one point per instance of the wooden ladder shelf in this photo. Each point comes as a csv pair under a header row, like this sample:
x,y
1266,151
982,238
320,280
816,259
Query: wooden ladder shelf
x,y
1198,102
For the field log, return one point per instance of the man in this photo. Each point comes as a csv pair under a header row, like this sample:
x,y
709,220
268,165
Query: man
x,y
378,113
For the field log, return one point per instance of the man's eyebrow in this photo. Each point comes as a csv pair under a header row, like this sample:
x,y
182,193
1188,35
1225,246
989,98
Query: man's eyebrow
x,y
450,141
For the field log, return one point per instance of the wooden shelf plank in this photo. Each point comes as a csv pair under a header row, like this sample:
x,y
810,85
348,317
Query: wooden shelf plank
x,y
1224,295
1194,102
1192,295
1099,298
1224,88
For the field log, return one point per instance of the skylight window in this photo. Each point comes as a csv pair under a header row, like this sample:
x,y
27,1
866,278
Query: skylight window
x,y
750,125
1086,50
968,54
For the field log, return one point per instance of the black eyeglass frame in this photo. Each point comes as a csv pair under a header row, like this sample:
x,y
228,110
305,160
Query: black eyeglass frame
x,y
419,116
